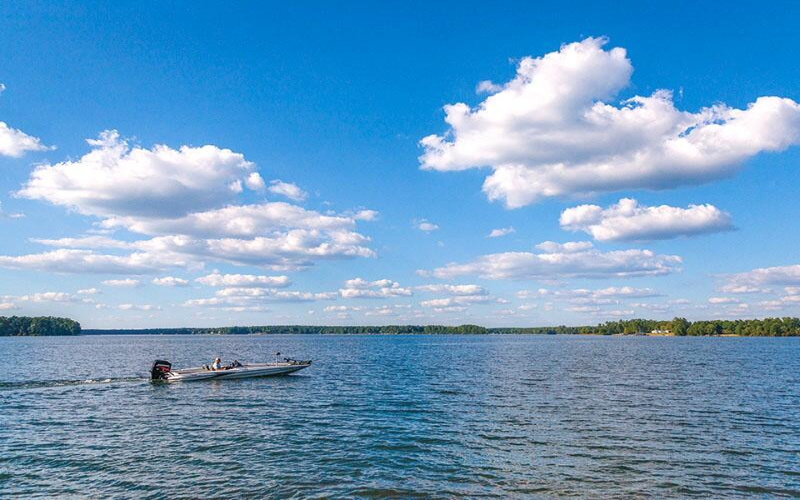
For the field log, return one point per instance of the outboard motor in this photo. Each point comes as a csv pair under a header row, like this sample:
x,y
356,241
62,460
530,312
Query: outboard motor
x,y
160,370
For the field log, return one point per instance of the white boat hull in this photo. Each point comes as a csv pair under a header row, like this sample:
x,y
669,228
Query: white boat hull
x,y
244,371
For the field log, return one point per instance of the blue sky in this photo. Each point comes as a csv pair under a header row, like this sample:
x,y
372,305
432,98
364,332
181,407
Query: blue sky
x,y
270,165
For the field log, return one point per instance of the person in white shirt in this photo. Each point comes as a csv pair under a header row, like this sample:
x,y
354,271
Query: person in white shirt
x,y
217,365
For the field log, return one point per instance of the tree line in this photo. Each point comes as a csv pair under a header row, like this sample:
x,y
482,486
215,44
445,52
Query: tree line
x,y
299,329
41,325
767,327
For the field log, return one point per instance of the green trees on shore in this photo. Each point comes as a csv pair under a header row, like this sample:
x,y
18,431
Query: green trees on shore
x,y
301,329
767,327
41,325
772,327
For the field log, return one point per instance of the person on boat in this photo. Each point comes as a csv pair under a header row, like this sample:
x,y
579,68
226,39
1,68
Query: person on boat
x,y
217,365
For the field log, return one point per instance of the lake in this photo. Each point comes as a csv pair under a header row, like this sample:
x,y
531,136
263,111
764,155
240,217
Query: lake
x,y
404,416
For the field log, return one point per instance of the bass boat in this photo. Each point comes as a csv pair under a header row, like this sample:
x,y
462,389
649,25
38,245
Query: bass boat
x,y
162,371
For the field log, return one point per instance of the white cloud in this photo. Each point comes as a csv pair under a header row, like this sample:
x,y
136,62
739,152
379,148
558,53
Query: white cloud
x,y
487,87
342,308
15,143
293,250
170,281
651,307
458,300
629,221
124,283
791,299
138,307
85,242
779,275
237,221
384,310
599,297
732,310
115,179
449,309
772,305
555,130
366,215
296,249
252,299
244,280
568,247
49,297
255,182
614,314
723,300
273,235
454,289
8,306
276,235
182,199
496,233
624,291
583,309
272,294
564,262
84,261
381,311
457,297
287,189
359,288
734,288
783,302
89,291
425,226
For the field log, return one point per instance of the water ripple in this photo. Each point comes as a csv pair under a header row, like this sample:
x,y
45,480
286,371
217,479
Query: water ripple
x,y
405,417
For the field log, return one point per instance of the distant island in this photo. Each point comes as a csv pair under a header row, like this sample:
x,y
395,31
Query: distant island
x,y
767,327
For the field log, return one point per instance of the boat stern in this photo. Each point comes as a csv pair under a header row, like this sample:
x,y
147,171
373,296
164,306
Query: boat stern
x,y
160,370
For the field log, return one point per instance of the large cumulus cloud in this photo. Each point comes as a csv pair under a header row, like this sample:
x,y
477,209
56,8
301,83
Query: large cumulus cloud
x,y
556,130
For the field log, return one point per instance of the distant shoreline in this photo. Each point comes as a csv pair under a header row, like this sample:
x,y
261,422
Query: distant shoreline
x,y
677,327
96,333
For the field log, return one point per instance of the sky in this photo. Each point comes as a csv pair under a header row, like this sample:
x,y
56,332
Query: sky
x,y
513,164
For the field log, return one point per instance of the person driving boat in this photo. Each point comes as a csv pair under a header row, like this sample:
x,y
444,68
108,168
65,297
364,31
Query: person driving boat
x,y
217,365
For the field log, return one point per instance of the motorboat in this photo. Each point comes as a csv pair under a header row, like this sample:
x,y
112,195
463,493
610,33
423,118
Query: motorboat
x,y
162,370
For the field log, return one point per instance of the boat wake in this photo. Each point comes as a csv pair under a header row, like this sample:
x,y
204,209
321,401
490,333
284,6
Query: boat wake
x,y
38,384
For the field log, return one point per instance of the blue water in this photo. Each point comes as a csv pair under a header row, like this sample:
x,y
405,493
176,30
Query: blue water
x,y
404,416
